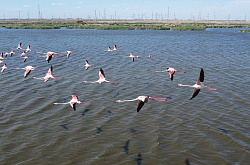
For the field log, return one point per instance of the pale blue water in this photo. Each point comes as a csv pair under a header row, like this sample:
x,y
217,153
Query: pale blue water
x,y
213,128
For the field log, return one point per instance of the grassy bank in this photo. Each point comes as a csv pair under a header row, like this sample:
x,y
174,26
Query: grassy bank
x,y
117,25
245,31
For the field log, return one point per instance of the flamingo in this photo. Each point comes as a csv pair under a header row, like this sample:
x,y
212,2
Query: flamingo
x,y
133,57
73,102
171,72
141,100
25,58
1,56
11,52
28,49
22,54
101,79
19,46
6,54
3,68
199,85
48,76
115,48
49,56
87,65
68,53
28,69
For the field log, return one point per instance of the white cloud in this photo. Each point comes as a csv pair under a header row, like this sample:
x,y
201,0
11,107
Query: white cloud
x,y
57,4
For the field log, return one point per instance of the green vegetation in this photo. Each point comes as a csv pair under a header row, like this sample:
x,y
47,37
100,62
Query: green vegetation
x,y
245,31
116,25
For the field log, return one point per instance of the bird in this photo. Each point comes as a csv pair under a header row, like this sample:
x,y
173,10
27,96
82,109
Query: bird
x,y
22,54
28,69
115,48
28,49
73,102
141,100
68,53
1,56
101,79
49,56
48,76
19,46
11,52
133,57
3,68
25,58
87,65
171,72
199,85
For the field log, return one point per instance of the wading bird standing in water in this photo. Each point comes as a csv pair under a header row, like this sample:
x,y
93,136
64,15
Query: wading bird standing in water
x,y
73,102
141,100
199,85
101,79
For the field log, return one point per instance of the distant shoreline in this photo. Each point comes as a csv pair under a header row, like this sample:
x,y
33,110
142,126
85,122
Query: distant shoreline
x,y
188,25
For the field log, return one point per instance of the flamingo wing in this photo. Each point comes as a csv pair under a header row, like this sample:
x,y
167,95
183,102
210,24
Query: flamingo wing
x,y
201,77
49,57
27,72
101,74
139,105
74,97
171,74
195,93
73,105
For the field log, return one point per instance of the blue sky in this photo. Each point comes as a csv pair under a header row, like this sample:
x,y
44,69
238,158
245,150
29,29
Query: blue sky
x,y
127,9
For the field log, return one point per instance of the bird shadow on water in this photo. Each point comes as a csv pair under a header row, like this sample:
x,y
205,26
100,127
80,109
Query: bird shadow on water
x,y
84,112
223,131
109,113
125,147
99,130
65,125
138,159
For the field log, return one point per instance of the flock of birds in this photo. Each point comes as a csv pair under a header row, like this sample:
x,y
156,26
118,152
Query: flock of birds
x,y
141,99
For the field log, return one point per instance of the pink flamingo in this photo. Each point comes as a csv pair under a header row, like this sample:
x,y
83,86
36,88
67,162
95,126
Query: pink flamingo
x,y
73,102
115,48
68,53
25,58
171,72
101,79
1,56
199,85
48,76
3,68
19,46
22,54
11,52
141,100
133,57
27,69
28,49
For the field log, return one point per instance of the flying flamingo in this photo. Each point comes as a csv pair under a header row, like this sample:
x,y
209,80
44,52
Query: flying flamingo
x,y
171,72
115,48
19,46
22,54
142,100
1,56
199,85
101,79
3,68
73,102
28,49
11,52
68,53
25,58
6,54
87,65
133,57
48,76
28,69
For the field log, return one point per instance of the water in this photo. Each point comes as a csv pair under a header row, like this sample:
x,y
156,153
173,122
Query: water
x,y
213,128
